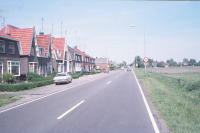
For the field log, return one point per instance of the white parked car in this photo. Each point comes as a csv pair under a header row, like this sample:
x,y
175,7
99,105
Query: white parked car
x,y
62,78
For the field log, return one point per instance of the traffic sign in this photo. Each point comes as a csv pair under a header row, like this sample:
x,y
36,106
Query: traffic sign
x,y
146,59
145,63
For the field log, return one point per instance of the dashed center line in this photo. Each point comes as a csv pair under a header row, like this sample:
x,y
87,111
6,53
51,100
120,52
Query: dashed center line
x,y
117,76
70,110
109,82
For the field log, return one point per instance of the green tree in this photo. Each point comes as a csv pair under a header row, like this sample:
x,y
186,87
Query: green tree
x,y
139,60
9,77
185,60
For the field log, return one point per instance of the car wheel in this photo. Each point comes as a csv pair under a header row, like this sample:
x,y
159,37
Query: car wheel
x,y
71,81
56,84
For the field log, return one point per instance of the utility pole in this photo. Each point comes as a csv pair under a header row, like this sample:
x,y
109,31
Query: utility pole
x,y
61,29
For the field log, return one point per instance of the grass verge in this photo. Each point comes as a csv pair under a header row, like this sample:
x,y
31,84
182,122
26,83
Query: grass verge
x,y
7,99
178,108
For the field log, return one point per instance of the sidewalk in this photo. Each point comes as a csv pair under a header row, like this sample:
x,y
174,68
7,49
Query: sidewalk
x,y
29,95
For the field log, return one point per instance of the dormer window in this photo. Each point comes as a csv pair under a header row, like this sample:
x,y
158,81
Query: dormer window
x,y
2,46
11,48
41,51
32,51
59,53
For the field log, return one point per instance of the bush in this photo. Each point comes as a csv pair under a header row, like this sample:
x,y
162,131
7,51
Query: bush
x,y
9,77
75,76
30,77
35,75
25,86
54,73
192,86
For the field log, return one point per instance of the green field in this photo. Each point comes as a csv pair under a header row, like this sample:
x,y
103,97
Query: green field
x,y
173,70
179,109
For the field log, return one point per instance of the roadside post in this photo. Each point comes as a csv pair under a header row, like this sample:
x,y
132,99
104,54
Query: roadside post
x,y
145,63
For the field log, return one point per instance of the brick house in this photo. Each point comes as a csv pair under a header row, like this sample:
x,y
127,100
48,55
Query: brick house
x,y
87,61
59,58
10,51
101,63
29,48
44,55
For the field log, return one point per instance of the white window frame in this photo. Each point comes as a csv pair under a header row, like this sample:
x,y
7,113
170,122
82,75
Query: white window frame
x,y
59,67
34,67
13,65
3,44
40,51
12,44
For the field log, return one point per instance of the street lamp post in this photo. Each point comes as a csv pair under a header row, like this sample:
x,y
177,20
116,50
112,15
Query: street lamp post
x,y
144,42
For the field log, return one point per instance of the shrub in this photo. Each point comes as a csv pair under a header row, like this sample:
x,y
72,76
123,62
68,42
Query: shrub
x,y
9,77
25,86
35,75
75,76
54,73
30,77
192,86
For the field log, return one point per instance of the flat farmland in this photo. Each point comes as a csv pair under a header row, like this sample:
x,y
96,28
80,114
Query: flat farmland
x,y
172,70
189,74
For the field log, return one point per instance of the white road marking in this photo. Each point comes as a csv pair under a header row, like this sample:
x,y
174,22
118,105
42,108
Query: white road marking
x,y
70,110
109,82
147,107
52,93
117,76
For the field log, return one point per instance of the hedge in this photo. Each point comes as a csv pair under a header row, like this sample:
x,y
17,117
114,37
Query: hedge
x,y
25,86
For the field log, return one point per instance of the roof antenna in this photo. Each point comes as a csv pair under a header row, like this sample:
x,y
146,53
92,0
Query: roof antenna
x,y
76,37
61,29
52,30
79,43
42,23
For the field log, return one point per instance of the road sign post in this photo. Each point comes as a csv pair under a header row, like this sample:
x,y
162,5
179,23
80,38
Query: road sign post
x,y
145,60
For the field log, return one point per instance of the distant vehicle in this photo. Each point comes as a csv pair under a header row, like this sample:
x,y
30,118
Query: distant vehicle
x,y
122,68
129,69
62,78
106,71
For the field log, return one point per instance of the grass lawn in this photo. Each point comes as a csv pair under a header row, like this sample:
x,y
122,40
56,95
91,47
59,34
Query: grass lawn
x,y
7,99
180,110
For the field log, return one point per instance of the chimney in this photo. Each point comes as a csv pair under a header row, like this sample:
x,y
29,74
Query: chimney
x,y
75,47
41,33
83,52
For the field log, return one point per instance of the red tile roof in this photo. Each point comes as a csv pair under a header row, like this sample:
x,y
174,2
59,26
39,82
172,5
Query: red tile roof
x,y
24,35
59,44
6,35
82,53
43,41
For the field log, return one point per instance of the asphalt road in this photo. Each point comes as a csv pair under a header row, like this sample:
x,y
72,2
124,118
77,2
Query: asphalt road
x,y
112,104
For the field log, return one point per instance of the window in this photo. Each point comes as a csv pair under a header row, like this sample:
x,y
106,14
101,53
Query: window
x,y
14,67
48,68
60,67
76,57
79,59
41,51
11,48
2,46
32,51
33,67
59,53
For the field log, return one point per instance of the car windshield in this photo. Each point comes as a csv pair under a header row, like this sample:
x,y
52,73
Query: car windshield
x,y
60,74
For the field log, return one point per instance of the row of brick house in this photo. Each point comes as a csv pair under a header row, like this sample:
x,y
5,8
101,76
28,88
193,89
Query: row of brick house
x,y
22,51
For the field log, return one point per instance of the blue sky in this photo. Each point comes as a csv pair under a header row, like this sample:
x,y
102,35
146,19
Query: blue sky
x,y
172,28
